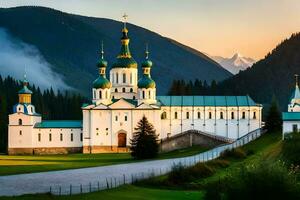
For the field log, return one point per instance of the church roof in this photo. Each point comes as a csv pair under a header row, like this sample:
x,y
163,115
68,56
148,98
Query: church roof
x,y
146,82
291,116
101,82
206,101
59,124
296,93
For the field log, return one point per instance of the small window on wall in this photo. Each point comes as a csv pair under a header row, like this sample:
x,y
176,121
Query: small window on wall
x,y
71,137
20,133
163,115
20,122
81,137
131,90
50,137
254,115
243,115
209,115
39,137
198,115
117,78
124,78
125,118
61,137
116,90
100,94
176,115
232,115
187,115
221,115
143,95
123,89
116,118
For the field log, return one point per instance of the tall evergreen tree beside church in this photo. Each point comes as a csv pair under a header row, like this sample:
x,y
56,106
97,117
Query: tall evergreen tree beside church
x,y
144,143
274,120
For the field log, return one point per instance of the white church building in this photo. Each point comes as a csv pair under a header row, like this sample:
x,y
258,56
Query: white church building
x,y
291,119
118,103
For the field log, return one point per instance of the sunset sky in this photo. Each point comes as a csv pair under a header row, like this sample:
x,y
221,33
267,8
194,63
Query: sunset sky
x,y
216,27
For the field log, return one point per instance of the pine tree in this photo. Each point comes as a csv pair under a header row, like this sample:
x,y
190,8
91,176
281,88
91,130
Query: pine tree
x,y
144,143
274,120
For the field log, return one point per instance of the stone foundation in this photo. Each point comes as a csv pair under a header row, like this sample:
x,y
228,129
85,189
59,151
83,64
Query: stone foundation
x,y
105,149
43,151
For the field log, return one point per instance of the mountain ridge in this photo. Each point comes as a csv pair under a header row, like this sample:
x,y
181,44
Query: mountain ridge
x,y
71,44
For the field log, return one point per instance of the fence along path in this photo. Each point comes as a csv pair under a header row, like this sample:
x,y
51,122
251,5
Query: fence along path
x,y
76,181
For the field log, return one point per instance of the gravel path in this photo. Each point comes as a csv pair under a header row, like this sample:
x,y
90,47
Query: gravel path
x,y
97,178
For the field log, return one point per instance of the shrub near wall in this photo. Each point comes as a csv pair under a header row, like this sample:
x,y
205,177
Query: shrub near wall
x,y
291,148
266,180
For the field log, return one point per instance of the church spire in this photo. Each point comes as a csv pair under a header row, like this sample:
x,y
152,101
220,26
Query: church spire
x,y
25,93
124,58
296,80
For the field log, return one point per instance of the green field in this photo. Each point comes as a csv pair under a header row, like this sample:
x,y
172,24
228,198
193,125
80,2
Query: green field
x,y
27,164
128,192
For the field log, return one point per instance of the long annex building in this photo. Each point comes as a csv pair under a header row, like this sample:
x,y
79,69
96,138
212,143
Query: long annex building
x,y
118,103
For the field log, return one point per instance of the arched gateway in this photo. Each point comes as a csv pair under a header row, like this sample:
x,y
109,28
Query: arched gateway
x,y
122,139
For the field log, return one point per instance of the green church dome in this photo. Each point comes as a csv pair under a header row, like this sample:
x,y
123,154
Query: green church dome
x,y
25,89
101,82
147,63
146,82
102,63
124,58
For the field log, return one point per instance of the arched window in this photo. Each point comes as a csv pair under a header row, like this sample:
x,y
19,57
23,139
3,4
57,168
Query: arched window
x,y
100,94
124,78
133,97
117,77
143,94
232,115
131,90
72,137
187,115
50,137
39,137
209,115
243,115
198,115
175,115
123,89
221,115
130,78
81,137
163,115
61,137
20,133
254,115
116,90
149,94
20,122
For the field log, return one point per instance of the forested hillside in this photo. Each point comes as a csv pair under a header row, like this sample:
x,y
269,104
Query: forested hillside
x,y
51,105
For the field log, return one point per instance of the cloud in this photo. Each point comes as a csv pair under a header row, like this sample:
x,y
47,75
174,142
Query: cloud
x,y
16,56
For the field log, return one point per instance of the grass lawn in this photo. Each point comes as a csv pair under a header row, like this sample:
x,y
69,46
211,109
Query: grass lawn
x,y
38,163
127,192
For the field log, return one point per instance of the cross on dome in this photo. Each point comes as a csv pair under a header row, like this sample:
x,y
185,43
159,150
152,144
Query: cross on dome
x,y
102,50
125,16
147,51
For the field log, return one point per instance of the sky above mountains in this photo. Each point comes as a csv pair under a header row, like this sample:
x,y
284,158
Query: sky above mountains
x,y
251,27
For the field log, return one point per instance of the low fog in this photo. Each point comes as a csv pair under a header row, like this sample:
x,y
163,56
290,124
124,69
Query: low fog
x,y
16,56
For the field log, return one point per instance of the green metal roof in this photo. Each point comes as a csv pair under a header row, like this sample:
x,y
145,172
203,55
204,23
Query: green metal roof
x,y
146,82
25,90
101,82
59,124
206,101
291,116
296,93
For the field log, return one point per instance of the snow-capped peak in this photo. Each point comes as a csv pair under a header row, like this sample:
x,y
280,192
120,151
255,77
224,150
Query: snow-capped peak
x,y
234,64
